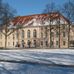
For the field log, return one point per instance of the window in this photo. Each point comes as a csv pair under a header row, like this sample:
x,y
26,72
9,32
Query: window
x,y
29,43
56,42
13,37
42,43
51,44
41,35
52,34
13,43
22,43
46,34
34,33
17,44
9,37
34,43
17,34
9,43
28,33
0,36
63,34
63,26
0,43
22,34
57,34
64,42
46,43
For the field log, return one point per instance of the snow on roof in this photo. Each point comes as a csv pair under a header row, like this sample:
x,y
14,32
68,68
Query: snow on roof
x,y
39,17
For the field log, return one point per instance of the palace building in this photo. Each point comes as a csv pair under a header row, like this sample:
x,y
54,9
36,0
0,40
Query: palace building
x,y
51,30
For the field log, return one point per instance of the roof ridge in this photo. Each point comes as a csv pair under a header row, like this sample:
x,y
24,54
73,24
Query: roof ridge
x,y
40,14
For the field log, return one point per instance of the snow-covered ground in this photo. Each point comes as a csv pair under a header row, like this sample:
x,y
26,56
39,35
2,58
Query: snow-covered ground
x,y
53,56
37,61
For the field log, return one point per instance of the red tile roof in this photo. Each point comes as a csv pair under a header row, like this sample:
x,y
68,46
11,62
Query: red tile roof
x,y
41,17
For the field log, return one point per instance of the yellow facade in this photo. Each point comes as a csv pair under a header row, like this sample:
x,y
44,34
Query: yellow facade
x,y
12,39
45,36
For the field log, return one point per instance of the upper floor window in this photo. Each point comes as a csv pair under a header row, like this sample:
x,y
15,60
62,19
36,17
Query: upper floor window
x,y
23,34
13,37
52,34
34,33
51,43
57,34
0,36
63,26
63,34
17,34
28,33
41,35
9,37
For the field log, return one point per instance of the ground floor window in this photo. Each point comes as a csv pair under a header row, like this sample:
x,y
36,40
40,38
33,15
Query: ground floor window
x,y
23,43
17,44
51,44
34,43
0,43
64,43
57,42
46,43
41,43
71,43
29,43
13,43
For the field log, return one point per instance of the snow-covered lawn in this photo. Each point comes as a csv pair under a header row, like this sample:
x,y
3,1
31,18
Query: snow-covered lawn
x,y
53,56
17,68
37,61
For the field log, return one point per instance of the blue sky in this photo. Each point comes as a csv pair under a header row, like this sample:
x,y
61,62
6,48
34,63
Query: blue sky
x,y
29,7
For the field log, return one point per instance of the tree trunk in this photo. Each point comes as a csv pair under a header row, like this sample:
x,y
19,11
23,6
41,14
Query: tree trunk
x,y
59,31
5,41
69,37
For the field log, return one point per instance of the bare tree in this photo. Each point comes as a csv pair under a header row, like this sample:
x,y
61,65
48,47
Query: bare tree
x,y
6,15
51,7
68,10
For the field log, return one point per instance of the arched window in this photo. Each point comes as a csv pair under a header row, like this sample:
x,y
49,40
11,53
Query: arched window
x,y
22,34
28,33
34,33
